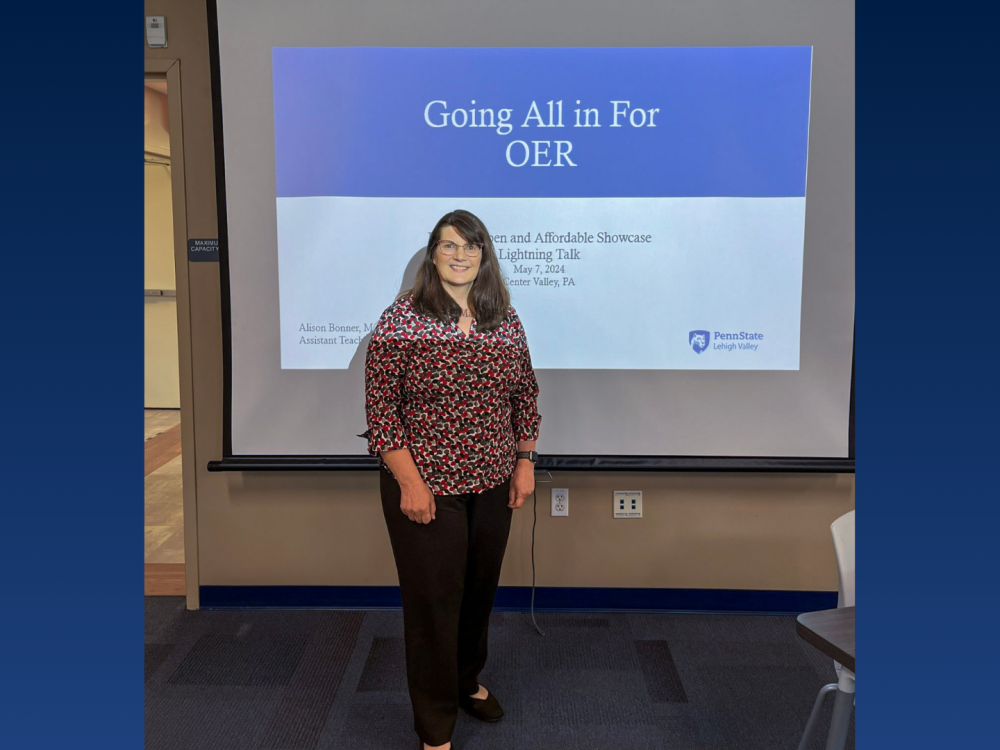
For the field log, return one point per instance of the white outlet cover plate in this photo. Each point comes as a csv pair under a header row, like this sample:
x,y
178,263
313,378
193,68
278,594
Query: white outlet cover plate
x,y
560,502
628,503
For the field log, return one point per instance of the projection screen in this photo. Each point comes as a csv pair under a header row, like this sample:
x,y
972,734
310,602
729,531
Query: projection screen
x,y
669,188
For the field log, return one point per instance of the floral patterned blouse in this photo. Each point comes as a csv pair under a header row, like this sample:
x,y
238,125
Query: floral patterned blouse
x,y
458,402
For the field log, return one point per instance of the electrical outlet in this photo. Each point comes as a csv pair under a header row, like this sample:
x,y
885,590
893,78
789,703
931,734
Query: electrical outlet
x,y
560,502
628,503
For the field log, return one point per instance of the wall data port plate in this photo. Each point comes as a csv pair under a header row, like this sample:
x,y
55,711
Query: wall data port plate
x,y
628,503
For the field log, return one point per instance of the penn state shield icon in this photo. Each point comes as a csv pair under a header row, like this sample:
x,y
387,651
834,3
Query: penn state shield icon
x,y
699,340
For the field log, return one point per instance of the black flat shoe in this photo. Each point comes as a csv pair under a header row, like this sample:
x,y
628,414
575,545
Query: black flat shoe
x,y
485,709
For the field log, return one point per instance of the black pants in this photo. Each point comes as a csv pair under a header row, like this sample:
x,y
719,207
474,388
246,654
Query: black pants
x,y
449,570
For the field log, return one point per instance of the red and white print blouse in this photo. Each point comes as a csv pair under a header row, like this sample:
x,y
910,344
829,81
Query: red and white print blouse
x,y
458,402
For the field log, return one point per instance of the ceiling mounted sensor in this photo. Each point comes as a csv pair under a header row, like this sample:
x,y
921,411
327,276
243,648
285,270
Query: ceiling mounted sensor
x,y
156,31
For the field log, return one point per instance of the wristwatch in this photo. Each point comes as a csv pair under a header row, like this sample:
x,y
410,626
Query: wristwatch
x,y
530,455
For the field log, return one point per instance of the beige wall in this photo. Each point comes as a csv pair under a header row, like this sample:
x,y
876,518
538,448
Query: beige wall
x,y
156,120
159,246
162,385
699,530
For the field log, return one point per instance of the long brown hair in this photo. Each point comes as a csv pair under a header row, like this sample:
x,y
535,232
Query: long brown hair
x,y
488,298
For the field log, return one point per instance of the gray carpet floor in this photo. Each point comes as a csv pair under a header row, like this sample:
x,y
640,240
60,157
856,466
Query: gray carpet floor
x,y
322,679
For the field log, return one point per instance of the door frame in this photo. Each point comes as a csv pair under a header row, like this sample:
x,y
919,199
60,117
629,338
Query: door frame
x,y
170,70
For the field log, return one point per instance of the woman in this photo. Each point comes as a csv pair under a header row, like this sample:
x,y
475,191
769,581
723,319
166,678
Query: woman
x,y
451,404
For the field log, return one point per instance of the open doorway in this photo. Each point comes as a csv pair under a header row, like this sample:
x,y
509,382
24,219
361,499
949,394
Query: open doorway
x,y
164,491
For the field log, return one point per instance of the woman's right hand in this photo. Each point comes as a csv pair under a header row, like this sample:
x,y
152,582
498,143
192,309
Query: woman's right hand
x,y
417,502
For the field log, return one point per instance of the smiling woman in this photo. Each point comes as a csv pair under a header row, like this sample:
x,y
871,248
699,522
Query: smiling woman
x,y
451,403
461,272
457,263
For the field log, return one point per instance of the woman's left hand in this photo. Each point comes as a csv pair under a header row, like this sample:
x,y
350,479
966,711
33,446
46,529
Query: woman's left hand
x,y
522,483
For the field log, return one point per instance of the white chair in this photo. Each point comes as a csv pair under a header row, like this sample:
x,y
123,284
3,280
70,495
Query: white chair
x,y
843,544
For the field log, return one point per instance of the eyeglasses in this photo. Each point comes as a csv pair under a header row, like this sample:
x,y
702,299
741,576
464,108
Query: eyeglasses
x,y
472,249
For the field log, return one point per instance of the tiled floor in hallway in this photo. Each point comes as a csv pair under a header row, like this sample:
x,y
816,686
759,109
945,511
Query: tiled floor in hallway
x,y
164,497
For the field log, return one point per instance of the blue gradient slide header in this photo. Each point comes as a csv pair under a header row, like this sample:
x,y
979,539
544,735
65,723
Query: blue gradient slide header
x,y
541,122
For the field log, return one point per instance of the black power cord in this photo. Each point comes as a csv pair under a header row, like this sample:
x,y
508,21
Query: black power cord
x,y
534,521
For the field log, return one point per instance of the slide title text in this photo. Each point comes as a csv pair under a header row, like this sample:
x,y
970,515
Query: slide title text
x,y
540,153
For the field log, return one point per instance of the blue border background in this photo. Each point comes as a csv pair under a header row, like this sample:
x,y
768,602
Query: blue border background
x,y
927,272
73,344
926,432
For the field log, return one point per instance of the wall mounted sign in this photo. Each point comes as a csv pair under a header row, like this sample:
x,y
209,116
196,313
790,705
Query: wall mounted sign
x,y
203,251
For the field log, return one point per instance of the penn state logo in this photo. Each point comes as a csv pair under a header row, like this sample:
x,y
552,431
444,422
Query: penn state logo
x,y
699,340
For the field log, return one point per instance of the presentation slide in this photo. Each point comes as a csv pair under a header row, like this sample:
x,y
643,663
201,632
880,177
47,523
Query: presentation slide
x,y
647,205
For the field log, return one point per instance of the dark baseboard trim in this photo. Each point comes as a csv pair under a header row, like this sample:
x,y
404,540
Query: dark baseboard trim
x,y
703,464
518,598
